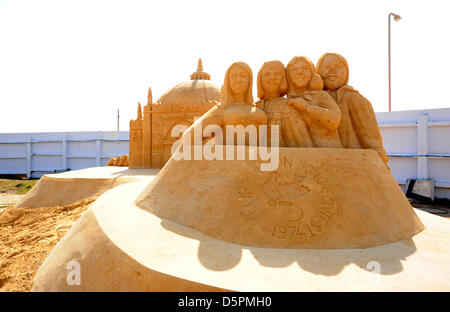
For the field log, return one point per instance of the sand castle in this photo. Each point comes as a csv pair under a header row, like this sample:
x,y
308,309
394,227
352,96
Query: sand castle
x,y
150,133
209,221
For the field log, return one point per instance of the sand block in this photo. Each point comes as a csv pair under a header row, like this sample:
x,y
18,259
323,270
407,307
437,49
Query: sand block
x,y
69,187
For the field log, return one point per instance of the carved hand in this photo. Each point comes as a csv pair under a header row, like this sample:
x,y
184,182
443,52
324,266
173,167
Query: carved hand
x,y
298,103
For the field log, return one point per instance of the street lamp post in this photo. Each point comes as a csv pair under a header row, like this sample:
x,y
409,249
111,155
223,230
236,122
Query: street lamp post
x,y
396,18
118,117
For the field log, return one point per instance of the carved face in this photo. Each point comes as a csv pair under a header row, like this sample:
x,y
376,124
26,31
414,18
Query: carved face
x,y
271,79
333,72
299,74
239,79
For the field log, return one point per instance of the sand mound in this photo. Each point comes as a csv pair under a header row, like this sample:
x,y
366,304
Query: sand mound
x,y
54,191
31,228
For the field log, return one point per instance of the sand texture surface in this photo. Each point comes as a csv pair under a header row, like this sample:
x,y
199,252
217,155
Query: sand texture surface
x,y
27,235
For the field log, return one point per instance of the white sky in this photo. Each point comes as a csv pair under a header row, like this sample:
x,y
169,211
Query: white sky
x,y
69,65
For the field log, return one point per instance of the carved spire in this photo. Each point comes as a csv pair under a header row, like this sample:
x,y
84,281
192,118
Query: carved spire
x,y
149,96
139,112
200,74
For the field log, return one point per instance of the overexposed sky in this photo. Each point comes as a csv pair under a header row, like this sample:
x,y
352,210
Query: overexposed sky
x,y
69,65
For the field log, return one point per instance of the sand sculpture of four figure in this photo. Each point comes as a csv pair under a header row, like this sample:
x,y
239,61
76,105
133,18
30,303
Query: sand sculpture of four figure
x,y
188,227
320,109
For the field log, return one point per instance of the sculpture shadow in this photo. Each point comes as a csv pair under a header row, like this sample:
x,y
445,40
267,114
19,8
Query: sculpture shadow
x,y
218,255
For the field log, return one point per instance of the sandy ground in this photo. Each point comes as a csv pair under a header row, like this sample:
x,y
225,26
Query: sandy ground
x,y
27,235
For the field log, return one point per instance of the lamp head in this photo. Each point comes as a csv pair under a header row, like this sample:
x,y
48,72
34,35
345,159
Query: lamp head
x,y
396,17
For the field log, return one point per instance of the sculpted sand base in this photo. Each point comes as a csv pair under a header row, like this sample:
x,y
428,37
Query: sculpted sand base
x,y
121,247
317,198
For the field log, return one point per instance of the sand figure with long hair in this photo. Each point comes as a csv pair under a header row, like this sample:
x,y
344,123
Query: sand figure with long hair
x,y
320,112
272,87
358,127
236,106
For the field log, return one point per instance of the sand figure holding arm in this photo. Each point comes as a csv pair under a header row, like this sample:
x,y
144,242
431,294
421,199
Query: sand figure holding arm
x,y
358,127
272,87
320,112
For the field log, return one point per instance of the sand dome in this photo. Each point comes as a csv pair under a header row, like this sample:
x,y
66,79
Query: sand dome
x,y
151,137
198,90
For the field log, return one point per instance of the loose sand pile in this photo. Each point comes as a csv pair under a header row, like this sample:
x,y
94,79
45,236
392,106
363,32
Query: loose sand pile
x,y
27,235
31,226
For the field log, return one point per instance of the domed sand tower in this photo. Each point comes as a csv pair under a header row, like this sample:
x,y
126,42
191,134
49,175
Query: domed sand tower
x,y
151,133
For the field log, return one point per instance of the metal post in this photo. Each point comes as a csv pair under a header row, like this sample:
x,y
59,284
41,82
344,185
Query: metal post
x,y
397,18
422,147
118,117
29,158
98,149
64,152
389,57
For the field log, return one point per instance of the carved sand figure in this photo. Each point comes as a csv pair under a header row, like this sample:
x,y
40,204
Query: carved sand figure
x,y
123,161
358,127
110,162
317,107
272,87
236,106
118,161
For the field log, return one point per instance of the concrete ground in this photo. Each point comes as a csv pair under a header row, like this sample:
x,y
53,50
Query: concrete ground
x,y
436,210
7,200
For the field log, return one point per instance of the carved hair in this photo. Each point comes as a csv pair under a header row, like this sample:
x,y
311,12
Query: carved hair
x,y
227,98
283,83
340,57
316,82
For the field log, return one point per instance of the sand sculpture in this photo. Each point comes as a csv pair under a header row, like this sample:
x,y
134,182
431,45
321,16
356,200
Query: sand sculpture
x,y
319,111
358,127
272,87
227,224
236,106
118,161
296,205
110,162
150,133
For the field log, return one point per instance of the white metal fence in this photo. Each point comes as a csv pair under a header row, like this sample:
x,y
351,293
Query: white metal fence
x,y
417,143
35,154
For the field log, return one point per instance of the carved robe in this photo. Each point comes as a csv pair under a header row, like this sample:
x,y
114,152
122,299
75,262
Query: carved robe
x,y
359,126
293,131
322,117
